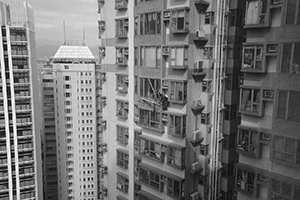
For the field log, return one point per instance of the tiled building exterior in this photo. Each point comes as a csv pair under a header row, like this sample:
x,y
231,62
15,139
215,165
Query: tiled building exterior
x,y
20,150
170,109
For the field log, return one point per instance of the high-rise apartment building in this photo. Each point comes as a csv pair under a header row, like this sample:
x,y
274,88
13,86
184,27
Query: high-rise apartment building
x,y
170,90
75,121
48,131
268,139
20,150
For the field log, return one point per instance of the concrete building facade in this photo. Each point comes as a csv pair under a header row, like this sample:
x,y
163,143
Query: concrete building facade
x,y
20,150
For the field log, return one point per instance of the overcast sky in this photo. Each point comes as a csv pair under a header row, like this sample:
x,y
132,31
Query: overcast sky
x,y
50,14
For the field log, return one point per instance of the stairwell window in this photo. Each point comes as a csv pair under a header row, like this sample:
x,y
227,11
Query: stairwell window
x,y
177,125
210,17
290,60
286,150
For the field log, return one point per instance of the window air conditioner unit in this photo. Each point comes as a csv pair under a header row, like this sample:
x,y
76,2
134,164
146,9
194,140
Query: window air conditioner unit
x,y
277,2
195,166
198,66
266,136
200,33
273,48
167,14
263,178
195,196
166,49
268,94
196,134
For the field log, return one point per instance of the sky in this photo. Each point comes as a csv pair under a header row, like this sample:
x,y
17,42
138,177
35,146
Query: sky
x,y
50,14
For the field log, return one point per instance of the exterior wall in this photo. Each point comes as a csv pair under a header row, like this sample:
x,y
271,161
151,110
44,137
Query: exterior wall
x,y
271,170
20,133
75,105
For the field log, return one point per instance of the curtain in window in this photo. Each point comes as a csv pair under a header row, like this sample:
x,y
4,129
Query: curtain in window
x,y
177,157
290,12
246,99
151,57
286,58
252,12
180,56
180,20
294,107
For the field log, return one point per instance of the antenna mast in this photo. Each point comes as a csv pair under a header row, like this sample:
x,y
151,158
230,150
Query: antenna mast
x,y
83,34
64,26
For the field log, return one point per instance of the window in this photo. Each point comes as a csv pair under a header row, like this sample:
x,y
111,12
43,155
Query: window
x,y
253,59
231,112
136,24
245,181
180,21
67,78
151,178
256,12
284,190
175,188
208,52
248,141
209,17
290,60
176,156
177,125
122,182
137,161
122,109
178,91
179,57
137,188
203,180
136,138
153,58
205,118
288,105
122,158
291,12
122,134
152,23
286,150
121,28
150,119
153,150
121,56
122,83
204,148
251,102
149,88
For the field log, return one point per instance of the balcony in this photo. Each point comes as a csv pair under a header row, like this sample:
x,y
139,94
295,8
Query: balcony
x,y
201,5
199,38
197,106
121,4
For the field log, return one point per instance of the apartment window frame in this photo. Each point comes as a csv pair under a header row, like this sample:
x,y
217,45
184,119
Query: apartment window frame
x,y
292,8
122,182
205,118
151,23
287,102
209,17
251,102
121,27
122,134
179,20
122,109
122,83
178,91
262,17
150,119
122,55
151,178
152,149
206,86
248,141
156,61
146,88
279,189
179,57
254,58
246,181
174,185
122,159
176,156
177,125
